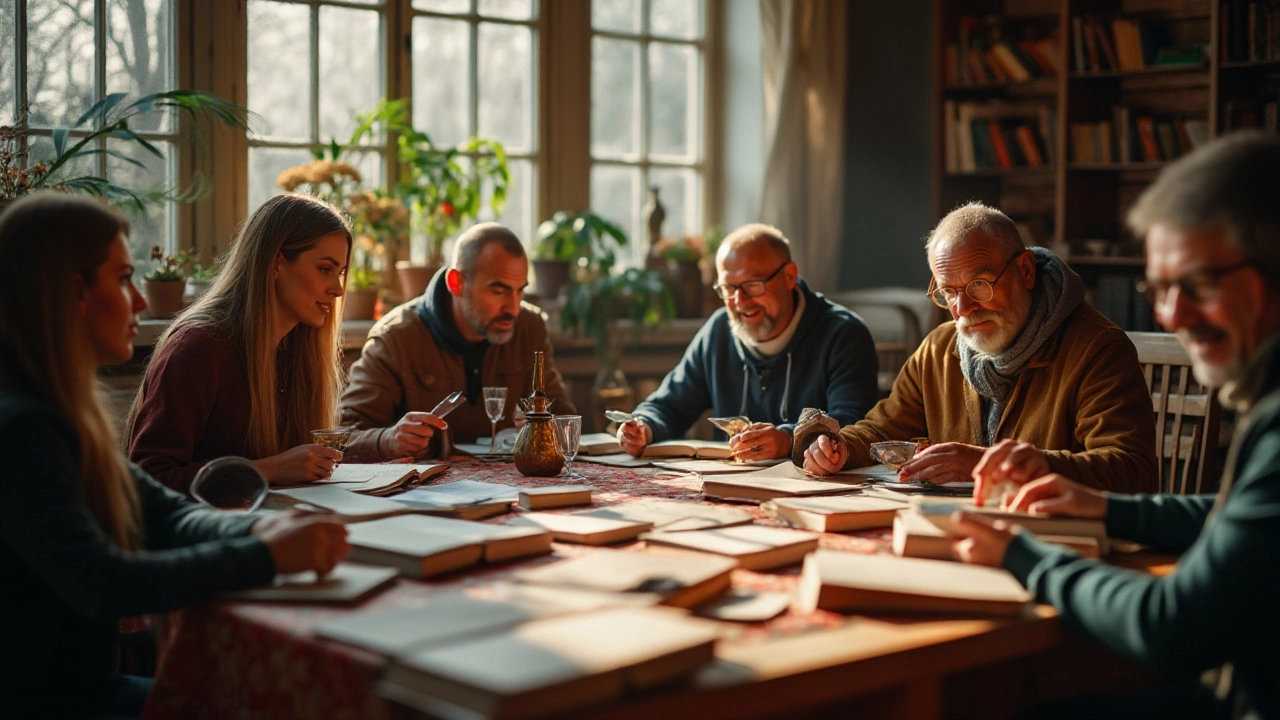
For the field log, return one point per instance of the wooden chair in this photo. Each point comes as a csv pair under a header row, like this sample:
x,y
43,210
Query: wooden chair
x,y
892,316
1187,415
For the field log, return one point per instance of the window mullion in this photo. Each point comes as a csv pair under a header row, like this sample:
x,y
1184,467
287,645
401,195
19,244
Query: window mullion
x,y
315,74
473,77
100,81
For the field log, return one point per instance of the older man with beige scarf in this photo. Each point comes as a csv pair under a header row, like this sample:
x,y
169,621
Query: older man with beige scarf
x,y
1024,359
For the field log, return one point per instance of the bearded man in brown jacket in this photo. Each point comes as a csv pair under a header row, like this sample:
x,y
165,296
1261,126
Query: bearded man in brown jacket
x,y
1025,358
471,329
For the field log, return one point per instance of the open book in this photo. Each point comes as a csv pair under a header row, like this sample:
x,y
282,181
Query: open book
x,y
554,666
852,582
671,515
783,480
598,444
712,449
382,479
348,583
466,499
681,581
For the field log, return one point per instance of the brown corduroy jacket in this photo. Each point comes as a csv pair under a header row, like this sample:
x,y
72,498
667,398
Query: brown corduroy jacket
x,y
403,369
1082,400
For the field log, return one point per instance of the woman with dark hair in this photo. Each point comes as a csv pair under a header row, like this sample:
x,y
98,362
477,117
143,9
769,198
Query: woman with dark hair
x,y
86,537
254,365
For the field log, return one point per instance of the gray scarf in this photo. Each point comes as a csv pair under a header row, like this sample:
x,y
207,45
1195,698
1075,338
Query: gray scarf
x,y
1057,293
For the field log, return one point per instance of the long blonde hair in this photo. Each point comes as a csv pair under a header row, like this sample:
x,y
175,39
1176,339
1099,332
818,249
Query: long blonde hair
x,y
52,246
242,301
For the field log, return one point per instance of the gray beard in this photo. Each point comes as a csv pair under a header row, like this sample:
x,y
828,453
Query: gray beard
x,y
743,333
477,323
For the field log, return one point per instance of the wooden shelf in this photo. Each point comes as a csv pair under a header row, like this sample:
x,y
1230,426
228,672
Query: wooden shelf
x,y
1045,85
1003,172
1116,167
1141,72
1251,65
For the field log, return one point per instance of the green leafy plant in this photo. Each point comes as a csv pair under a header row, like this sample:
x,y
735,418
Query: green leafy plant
x,y
109,119
579,236
172,268
361,278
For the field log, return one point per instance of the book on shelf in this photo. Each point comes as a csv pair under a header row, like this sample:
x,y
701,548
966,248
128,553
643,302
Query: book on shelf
x,y
851,582
679,581
554,496
992,134
754,547
986,51
598,443
583,529
1250,30
783,480
384,478
555,666
346,583
837,513
672,515
713,449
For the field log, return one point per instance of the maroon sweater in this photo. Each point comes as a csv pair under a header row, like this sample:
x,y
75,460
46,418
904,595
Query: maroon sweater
x,y
194,408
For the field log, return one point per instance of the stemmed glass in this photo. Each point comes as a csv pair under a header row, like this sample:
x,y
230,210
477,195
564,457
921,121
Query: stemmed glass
x,y
568,432
495,402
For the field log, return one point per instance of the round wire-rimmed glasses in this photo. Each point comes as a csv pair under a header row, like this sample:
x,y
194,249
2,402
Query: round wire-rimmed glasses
x,y
944,296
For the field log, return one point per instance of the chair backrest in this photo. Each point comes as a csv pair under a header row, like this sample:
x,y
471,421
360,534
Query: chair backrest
x,y
892,316
1187,415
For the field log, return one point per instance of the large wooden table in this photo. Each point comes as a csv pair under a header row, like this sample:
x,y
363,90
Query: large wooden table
x,y
247,660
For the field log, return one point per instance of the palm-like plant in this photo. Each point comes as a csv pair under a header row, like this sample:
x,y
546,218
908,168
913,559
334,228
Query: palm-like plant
x,y
110,118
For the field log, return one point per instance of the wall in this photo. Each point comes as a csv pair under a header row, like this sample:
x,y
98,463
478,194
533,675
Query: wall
x,y
887,145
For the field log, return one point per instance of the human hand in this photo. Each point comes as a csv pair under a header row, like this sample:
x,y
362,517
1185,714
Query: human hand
x,y
413,433
301,464
1056,495
943,463
301,541
982,541
1007,462
634,436
760,441
825,456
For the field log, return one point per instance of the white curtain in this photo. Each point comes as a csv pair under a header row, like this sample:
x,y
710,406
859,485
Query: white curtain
x,y
805,65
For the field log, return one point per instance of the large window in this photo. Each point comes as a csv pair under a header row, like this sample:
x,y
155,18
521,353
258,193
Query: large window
x,y
312,67
646,112
59,58
474,75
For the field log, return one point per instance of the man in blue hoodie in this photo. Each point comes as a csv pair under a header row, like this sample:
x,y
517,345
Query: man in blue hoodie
x,y
776,348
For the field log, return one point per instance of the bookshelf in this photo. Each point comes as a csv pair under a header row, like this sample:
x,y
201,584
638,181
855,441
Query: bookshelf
x,y
1110,91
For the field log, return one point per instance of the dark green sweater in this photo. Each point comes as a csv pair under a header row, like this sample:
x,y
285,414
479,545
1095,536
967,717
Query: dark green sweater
x,y
64,585
1221,604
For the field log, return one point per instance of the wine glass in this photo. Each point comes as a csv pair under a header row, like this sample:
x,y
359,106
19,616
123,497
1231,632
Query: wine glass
x,y
230,483
335,438
495,402
568,432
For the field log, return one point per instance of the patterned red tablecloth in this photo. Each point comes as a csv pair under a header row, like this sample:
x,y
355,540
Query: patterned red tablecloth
x,y
259,660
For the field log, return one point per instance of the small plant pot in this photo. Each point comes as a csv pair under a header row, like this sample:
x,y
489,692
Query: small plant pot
x,y
196,288
360,304
164,297
414,278
549,277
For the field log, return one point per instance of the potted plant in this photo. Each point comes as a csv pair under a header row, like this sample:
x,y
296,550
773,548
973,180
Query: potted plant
x,y
599,295
165,284
202,276
680,257
380,225
108,118
564,240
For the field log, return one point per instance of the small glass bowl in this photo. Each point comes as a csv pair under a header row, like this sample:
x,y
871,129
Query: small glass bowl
x,y
894,453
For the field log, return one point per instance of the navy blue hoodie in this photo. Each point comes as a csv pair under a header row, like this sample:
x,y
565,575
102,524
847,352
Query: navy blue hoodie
x,y
830,363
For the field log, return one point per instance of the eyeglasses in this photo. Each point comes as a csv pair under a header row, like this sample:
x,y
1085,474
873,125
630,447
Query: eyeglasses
x,y
751,288
977,290
1198,286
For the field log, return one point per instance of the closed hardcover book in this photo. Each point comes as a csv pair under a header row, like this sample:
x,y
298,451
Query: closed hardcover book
x,y
755,547
413,551
556,666
688,448
583,529
840,513
554,496
784,480
851,582
679,581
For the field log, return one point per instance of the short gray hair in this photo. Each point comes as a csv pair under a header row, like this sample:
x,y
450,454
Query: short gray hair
x,y
771,236
469,245
963,223
1232,183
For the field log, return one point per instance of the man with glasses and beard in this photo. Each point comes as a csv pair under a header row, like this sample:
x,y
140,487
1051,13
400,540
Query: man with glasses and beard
x,y
776,348
1025,359
469,330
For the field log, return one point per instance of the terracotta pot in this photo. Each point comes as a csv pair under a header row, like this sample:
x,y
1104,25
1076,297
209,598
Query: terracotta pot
x,y
164,297
414,278
360,304
685,282
549,277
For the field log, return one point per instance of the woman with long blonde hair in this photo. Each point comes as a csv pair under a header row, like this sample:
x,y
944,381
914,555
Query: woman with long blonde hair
x,y
85,537
254,365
